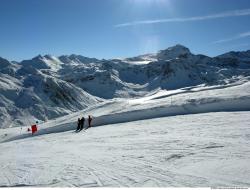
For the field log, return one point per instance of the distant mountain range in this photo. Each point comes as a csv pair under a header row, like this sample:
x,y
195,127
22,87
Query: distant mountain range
x,y
46,87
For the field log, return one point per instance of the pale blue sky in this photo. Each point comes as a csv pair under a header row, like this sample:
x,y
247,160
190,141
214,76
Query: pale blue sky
x,y
121,28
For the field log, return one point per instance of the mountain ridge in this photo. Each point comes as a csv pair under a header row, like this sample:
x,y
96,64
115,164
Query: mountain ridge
x,y
173,48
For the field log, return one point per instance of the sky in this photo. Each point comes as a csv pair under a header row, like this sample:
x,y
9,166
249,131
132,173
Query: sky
x,y
121,28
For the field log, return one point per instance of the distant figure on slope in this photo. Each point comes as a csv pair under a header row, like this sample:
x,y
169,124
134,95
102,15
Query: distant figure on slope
x,y
82,123
89,121
78,124
34,128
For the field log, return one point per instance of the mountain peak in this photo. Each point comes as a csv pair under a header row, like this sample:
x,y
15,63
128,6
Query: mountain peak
x,y
178,47
38,57
4,62
48,56
173,52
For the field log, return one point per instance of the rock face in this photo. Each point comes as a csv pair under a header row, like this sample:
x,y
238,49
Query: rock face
x,y
46,87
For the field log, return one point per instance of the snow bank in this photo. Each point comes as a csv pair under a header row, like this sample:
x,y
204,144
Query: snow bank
x,y
193,106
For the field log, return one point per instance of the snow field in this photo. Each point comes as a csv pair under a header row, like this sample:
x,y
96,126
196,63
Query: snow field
x,y
199,150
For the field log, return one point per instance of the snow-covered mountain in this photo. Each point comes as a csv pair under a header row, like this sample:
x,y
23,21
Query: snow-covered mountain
x,y
47,86
172,68
28,93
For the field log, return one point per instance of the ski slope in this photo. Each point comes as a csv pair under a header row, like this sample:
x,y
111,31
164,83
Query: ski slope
x,y
190,137
211,149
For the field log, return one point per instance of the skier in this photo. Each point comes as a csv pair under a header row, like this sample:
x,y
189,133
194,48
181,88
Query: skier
x,y
89,121
78,124
34,128
82,123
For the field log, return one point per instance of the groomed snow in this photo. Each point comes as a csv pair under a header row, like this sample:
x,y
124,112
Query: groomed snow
x,y
211,149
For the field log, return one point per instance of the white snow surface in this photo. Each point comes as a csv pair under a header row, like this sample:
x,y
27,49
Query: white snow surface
x,y
190,137
197,150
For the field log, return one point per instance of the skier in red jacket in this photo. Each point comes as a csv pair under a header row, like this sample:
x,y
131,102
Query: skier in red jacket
x,y
34,128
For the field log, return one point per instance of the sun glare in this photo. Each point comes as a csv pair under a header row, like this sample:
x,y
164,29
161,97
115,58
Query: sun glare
x,y
138,4
150,1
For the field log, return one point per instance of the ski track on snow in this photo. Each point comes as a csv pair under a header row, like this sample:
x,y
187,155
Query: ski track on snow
x,y
190,150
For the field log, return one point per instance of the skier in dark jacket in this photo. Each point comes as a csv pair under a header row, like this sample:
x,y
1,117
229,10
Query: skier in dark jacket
x,y
89,121
82,123
78,124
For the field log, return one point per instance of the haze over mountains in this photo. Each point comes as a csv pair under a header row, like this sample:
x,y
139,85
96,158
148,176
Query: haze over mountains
x,y
47,87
